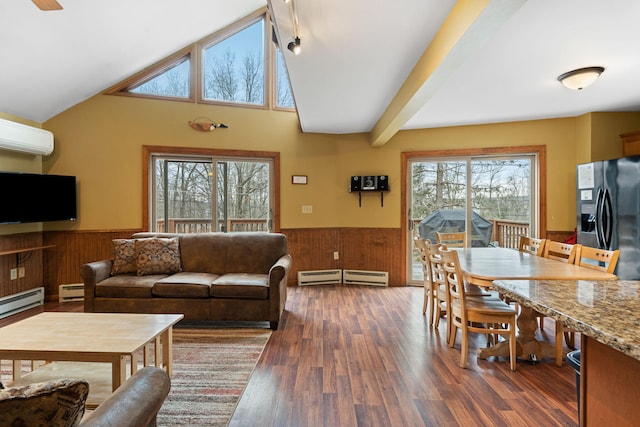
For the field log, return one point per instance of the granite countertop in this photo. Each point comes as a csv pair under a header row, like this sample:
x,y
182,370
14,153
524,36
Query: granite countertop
x,y
607,311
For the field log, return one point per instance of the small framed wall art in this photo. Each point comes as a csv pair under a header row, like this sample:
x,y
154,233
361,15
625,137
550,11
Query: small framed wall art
x,y
299,179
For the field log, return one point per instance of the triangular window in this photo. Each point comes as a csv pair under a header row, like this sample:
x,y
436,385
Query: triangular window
x,y
173,82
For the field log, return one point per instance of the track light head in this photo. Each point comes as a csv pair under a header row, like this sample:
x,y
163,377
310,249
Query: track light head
x,y
294,46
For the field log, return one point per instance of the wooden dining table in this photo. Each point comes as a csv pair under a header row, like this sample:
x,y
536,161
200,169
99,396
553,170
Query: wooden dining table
x,y
481,266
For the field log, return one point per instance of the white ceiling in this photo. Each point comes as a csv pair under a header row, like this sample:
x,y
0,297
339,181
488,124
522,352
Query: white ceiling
x,y
356,55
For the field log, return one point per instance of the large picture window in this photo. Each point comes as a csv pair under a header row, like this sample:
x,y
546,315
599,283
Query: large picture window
x,y
191,191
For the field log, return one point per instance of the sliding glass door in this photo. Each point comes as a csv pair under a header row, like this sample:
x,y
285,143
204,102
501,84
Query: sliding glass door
x,y
188,197
492,199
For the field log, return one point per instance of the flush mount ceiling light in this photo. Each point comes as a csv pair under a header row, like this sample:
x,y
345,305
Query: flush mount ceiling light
x,y
580,78
203,124
294,46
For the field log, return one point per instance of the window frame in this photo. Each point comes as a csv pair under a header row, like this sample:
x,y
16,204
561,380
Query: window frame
x,y
540,151
229,32
124,88
194,54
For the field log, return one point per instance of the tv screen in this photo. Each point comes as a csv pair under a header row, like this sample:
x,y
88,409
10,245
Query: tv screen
x,y
29,197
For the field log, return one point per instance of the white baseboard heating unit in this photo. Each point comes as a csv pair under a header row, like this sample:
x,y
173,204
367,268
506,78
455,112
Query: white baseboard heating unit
x,y
319,277
12,304
71,292
361,277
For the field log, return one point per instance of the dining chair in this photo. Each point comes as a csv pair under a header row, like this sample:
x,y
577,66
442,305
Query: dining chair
x,y
531,245
437,294
597,259
438,303
594,258
559,251
563,252
482,315
420,244
452,240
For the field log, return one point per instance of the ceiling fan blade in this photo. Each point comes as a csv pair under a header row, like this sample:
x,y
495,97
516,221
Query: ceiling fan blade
x,y
47,4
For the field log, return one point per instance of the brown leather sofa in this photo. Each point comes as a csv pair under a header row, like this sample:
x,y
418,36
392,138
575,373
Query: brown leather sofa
x,y
62,402
221,277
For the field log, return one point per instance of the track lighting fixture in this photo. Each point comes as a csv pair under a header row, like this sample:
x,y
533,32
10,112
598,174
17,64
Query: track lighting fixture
x,y
294,46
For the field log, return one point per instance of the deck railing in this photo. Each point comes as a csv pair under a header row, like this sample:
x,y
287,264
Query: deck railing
x,y
506,233
204,225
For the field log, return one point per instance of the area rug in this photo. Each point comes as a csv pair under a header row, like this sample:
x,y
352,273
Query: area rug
x,y
211,368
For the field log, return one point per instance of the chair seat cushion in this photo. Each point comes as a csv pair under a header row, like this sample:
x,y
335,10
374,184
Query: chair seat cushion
x,y
489,305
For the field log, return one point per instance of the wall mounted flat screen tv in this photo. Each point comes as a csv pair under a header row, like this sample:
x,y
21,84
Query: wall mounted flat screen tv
x,y
29,197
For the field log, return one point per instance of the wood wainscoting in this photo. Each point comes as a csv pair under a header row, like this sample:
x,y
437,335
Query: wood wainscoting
x,y
558,236
73,249
31,261
376,249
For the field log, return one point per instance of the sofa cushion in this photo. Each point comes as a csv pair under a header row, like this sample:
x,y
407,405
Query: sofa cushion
x,y
204,252
53,403
128,286
254,252
124,257
184,285
241,285
157,255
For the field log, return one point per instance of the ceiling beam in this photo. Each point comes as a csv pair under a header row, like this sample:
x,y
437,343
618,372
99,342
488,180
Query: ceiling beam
x,y
467,27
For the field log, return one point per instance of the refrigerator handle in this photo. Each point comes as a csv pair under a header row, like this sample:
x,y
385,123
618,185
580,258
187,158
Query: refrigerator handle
x,y
607,221
599,219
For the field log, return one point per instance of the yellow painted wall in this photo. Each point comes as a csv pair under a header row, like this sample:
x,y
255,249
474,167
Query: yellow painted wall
x,y
100,142
605,133
11,161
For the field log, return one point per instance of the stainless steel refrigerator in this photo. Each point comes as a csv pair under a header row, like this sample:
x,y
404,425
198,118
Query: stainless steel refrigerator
x,y
608,209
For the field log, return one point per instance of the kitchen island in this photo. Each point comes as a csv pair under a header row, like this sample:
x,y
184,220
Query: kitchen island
x,y
607,314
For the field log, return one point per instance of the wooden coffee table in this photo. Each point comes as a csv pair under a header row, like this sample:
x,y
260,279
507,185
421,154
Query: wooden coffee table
x,y
112,340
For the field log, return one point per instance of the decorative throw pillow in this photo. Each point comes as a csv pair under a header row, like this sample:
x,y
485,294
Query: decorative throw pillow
x,y
59,403
157,255
124,257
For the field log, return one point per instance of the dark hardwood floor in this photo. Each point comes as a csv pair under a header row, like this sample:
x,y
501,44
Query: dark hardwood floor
x,y
363,356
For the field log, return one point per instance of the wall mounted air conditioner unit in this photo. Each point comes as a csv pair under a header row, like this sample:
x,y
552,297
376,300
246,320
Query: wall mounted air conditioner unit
x,y
25,139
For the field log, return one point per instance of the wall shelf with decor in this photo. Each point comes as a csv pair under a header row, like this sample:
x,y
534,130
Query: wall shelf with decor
x,y
369,184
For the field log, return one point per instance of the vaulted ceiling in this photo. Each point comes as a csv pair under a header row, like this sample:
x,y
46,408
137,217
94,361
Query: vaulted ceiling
x,y
366,66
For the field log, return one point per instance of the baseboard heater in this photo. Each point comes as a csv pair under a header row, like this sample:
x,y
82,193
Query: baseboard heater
x,y
21,301
319,277
71,292
362,277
